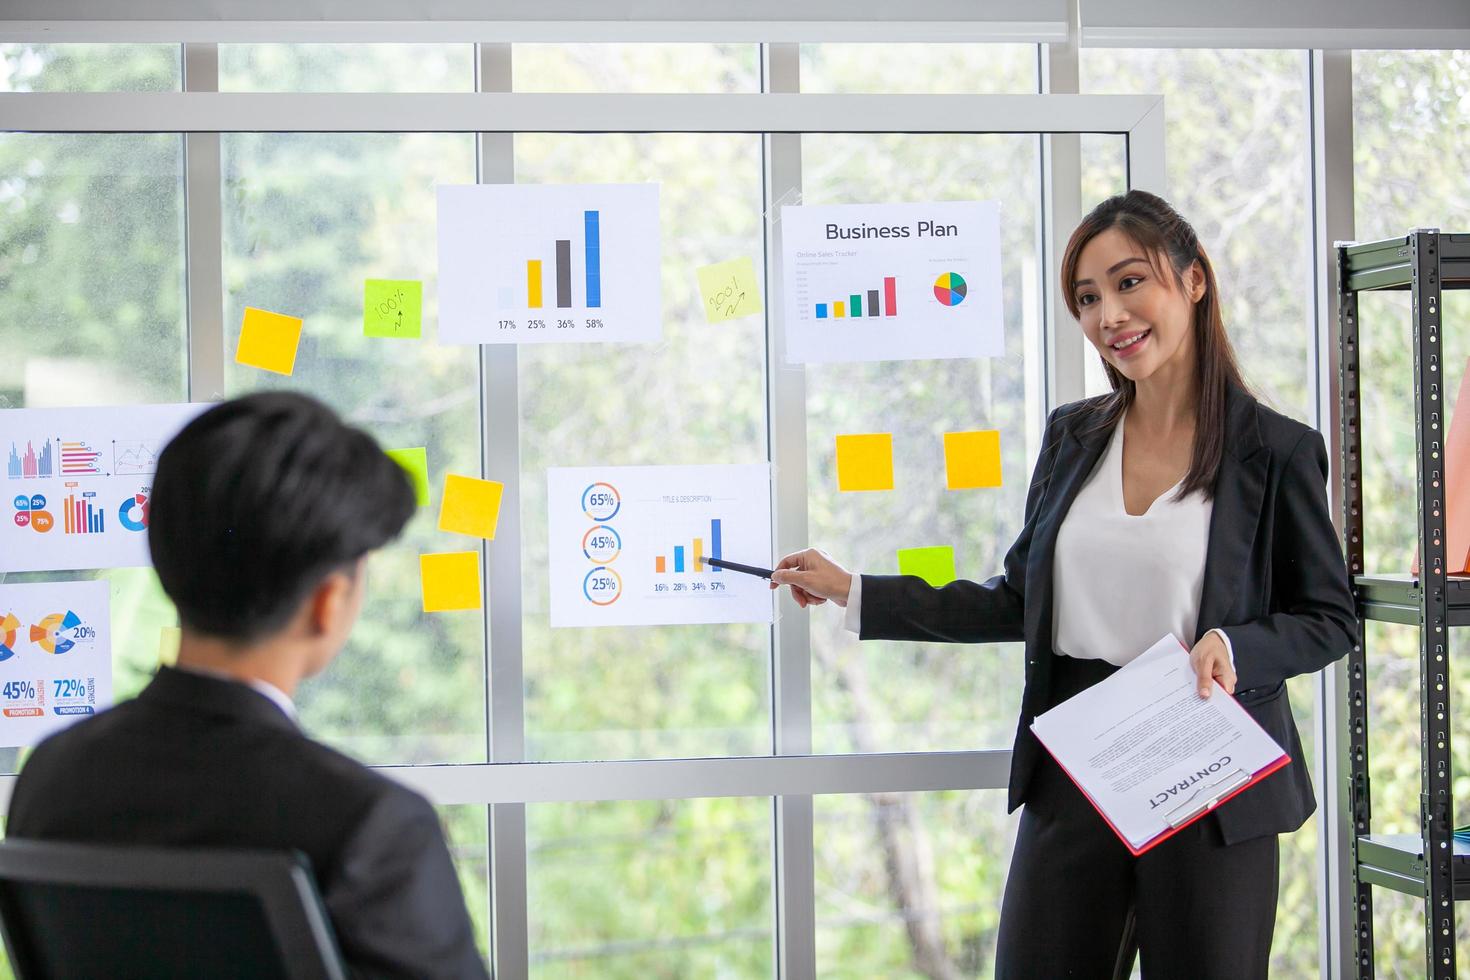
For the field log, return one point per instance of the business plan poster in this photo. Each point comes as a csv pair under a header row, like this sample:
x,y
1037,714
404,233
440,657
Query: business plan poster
x,y
549,263
55,657
79,481
628,544
892,282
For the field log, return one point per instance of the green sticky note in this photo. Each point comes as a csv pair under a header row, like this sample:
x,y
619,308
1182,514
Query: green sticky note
x,y
933,565
392,308
729,290
416,462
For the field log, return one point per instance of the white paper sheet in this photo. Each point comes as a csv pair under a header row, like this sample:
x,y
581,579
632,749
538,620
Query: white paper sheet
x,y
55,657
626,541
549,263
1148,750
913,281
78,483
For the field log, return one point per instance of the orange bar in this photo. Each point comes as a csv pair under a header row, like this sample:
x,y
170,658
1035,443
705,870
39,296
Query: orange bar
x,y
658,564
699,554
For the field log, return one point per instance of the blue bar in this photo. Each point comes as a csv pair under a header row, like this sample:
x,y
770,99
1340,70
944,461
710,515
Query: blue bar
x,y
821,311
593,236
94,518
678,557
714,541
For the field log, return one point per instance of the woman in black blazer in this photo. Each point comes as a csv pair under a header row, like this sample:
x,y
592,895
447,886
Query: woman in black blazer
x,y
1274,603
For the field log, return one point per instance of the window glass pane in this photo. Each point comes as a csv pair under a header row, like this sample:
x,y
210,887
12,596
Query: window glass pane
x,y
467,832
1411,136
1238,146
632,890
636,68
926,69
92,313
307,218
90,67
346,68
696,397
909,884
883,696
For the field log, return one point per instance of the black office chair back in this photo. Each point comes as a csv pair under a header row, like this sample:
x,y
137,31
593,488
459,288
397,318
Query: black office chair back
x,y
83,911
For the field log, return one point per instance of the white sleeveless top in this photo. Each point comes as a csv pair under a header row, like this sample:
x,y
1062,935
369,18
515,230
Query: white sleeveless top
x,y
1122,582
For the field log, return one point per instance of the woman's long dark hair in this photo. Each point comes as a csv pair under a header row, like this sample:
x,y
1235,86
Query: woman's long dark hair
x,y
1159,230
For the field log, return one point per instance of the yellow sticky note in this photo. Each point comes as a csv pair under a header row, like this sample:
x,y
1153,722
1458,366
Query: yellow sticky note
x,y
168,646
729,289
416,463
451,581
268,341
933,565
392,308
865,462
972,459
470,506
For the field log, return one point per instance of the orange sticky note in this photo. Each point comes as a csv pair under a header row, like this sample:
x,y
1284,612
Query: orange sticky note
x,y
268,341
865,462
972,459
451,581
470,506
168,646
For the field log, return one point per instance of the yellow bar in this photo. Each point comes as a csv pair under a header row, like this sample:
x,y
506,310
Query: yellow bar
x,y
699,554
533,283
838,310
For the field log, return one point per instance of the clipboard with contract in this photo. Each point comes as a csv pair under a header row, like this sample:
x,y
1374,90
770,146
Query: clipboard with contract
x,y
1149,753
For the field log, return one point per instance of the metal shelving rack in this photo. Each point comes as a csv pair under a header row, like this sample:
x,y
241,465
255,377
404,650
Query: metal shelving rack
x,y
1430,865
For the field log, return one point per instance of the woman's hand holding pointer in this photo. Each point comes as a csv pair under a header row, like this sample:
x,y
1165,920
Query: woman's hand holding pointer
x,y
814,578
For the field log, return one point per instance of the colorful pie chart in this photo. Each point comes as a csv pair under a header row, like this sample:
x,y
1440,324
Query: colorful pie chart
x,y
53,633
949,289
8,627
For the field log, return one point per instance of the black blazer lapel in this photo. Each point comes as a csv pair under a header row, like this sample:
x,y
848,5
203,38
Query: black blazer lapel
x,y
1240,490
1077,457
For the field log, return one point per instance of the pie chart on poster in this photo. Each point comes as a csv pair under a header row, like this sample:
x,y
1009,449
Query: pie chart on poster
x,y
8,627
949,289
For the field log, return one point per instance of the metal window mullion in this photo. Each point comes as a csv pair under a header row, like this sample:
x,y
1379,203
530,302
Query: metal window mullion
x,y
203,238
1145,159
1330,109
791,654
1063,345
1436,802
500,422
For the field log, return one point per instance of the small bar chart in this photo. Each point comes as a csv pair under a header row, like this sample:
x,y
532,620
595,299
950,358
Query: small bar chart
x,y
30,465
696,555
81,515
856,306
549,263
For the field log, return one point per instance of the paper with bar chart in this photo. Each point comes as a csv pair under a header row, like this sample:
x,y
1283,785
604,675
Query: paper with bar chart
x,y
55,657
79,482
892,282
628,544
549,263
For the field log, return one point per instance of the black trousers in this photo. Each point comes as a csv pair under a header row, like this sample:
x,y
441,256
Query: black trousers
x,y
1077,904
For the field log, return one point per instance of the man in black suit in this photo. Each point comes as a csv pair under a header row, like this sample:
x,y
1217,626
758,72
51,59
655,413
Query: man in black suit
x,y
263,512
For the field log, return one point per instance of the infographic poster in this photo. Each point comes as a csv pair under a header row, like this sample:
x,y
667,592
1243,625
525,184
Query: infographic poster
x,y
628,544
549,263
78,483
55,657
892,282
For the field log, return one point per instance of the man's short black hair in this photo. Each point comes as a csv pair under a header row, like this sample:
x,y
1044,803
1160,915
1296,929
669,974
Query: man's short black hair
x,y
260,498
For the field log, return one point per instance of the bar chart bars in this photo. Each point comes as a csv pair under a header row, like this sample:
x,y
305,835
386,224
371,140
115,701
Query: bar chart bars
x,y
79,459
863,303
695,554
561,278
30,464
80,515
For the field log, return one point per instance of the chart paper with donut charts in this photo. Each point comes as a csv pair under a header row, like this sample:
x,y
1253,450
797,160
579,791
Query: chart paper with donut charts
x,y
628,544
55,657
79,481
